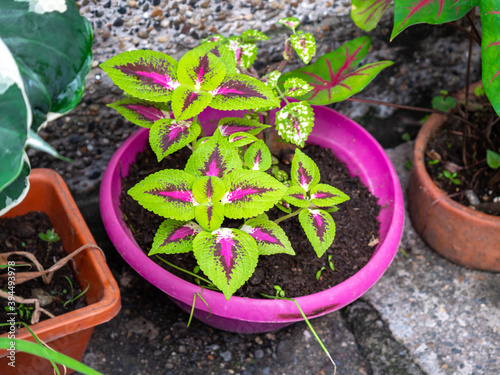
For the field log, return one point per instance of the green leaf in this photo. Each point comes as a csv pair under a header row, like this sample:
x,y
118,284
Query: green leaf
x,y
174,237
214,157
141,112
271,78
294,122
323,195
269,236
221,50
410,12
319,228
208,189
187,102
258,157
227,256
296,87
201,70
304,45
148,75
493,159
335,76
38,143
305,172
253,36
443,103
244,53
168,135
166,193
239,91
490,50
297,196
367,13
250,193
290,22
13,193
231,125
241,139
209,215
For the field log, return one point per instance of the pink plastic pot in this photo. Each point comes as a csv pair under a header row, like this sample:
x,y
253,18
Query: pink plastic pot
x,y
350,143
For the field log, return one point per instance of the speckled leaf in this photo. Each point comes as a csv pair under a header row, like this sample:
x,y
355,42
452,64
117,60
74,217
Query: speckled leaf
x,y
294,122
166,193
253,36
144,74
250,193
297,196
319,228
305,172
304,45
169,135
244,53
367,13
258,157
174,237
212,38
187,103
209,215
242,92
202,70
296,87
269,236
231,125
290,22
227,256
271,78
141,112
323,195
215,157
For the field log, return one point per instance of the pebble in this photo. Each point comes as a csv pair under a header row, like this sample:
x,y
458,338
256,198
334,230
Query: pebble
x,y
472,197
118,22
43,297
226,356
259,354
163,39
156,12
143,34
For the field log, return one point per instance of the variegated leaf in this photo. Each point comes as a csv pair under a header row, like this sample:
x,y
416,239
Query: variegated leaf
x,y
271,78
231,125
174,237
253,36
367,13
146,75
208,189
202,70
214,157
241,139
323,195
166,193
169,135
212,38
297,196
141,112
258,157
244,53
294,122
221,50
269,236
239,91
305,172
250,193
227,256
296,87
304,45
209,215
290,22
187,103
319,228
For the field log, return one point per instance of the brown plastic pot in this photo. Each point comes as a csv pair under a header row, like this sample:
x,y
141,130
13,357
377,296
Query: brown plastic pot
x,y
68,333
460,234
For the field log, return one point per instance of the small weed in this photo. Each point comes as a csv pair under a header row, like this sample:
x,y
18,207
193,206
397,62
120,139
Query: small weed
x,y
432,162
318,274
279,292
49,236
450,176
24,312
330,263
408,164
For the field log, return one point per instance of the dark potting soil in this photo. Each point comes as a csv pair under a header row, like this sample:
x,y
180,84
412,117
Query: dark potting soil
x,y
448,146
20,233
357,231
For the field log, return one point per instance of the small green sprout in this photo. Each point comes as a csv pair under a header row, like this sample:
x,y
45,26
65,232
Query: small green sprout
x,y
450,176
49,236
432,162
408,165
330,263
279,292
318,274
493,159
25,312
74,298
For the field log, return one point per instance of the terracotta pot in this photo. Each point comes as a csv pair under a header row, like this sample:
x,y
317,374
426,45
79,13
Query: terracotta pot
x,y
460,234
68,333
352,144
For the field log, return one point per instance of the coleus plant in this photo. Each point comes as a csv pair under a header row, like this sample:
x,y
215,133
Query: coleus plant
x,y
229,173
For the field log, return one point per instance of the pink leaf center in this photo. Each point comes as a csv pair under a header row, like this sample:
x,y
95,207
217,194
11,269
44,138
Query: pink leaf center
x,y
185,196
164,81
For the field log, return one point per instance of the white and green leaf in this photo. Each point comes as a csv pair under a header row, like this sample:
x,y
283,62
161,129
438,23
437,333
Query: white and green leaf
x,y
305,46
296,87
294,122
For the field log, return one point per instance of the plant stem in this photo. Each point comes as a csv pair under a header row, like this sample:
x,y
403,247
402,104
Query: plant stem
x,y
185,271
291,214
281,95
399,106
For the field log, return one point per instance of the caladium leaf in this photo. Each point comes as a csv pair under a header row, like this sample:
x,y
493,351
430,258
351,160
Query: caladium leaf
x,y
294,122
334,76
367,13
241,139
239,91
297,196
290,22
208,189
258,157
296,87
319,228
174,237
215,157
209,215
187,102
168,135
15,191
202,70
250,193
231,125
166,193
141,112
149,75
323,195
410,12
244,53
305,172
253,36
490,50
305,46
269,236
227,256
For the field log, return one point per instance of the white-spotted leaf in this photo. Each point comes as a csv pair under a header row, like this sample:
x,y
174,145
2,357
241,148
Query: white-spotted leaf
x,y
244,53
294,122
296,87
290,22
304,45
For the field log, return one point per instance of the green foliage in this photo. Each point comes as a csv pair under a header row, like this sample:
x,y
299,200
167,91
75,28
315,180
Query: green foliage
x,y
49,236
443,103
493,159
